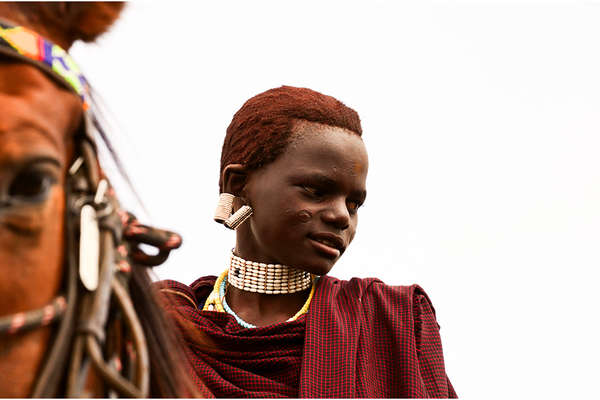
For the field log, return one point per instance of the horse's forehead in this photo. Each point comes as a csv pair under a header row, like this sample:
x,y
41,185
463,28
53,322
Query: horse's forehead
x,y
30,101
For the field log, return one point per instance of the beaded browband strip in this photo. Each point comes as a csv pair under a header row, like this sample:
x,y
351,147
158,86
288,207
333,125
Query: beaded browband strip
x,y
257,277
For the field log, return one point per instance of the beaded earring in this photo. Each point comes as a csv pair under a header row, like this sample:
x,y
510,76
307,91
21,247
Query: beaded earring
x,y
224,213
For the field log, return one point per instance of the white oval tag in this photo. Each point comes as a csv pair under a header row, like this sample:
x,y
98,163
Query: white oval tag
x,y
89,248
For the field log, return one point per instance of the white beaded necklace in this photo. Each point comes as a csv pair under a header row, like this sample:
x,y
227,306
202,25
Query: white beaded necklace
x,y
257,277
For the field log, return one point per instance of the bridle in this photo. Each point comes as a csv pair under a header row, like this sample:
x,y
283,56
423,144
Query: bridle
x,y
97,324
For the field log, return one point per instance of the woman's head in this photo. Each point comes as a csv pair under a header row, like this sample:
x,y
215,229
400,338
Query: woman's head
x,y
261,129
297,158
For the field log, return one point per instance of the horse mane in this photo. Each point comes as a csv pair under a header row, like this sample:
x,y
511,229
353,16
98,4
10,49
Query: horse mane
x,y
69,21
169,376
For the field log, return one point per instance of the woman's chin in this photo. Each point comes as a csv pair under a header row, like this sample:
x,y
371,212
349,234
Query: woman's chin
x,y
317,267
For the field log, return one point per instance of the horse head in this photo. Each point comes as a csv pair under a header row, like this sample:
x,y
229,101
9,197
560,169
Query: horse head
x,y
78,316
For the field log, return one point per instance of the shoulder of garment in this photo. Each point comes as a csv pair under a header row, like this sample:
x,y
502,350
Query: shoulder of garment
x,y
372,292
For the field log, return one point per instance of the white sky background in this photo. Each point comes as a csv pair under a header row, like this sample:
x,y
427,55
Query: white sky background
x,y
482,124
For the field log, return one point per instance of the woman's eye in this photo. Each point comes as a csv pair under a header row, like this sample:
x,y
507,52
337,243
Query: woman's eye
x,y
312,191
31,186
353,206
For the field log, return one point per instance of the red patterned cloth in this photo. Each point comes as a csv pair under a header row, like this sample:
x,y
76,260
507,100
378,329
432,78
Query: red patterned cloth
x,y
360,338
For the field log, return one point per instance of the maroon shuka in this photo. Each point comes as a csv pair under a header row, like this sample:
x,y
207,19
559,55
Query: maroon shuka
x,y
367,339
360,338
230,360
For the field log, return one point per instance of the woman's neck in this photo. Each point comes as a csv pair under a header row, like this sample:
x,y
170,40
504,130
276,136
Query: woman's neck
x,y
250,294
264,309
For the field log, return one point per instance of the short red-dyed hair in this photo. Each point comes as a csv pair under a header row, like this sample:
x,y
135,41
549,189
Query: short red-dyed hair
x,y
260,131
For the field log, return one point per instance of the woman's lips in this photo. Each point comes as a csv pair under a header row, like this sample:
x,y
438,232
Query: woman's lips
x,y
330,252
325,245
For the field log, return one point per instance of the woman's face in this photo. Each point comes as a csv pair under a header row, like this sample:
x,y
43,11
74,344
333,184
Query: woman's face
x,y
306,202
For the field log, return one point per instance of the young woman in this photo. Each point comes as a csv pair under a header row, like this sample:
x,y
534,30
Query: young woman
x,y
274,324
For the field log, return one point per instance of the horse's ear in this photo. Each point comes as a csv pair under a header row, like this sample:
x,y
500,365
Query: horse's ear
x,y
90,20
64,22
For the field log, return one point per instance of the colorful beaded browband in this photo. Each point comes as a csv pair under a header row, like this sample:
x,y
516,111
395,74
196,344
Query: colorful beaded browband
x,y
27,45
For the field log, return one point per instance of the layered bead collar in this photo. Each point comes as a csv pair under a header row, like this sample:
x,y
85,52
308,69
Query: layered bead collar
x,y
264,278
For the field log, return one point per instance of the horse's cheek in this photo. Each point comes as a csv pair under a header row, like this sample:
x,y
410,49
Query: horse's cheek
x,y
50,249
32,269
31,257
20,359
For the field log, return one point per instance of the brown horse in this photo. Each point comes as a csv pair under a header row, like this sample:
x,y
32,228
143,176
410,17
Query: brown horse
x,y
69,336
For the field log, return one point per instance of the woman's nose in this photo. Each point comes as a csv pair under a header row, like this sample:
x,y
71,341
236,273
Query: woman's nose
x,y
337,214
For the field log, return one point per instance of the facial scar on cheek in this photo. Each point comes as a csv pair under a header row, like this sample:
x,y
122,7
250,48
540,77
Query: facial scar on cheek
x,y
304,216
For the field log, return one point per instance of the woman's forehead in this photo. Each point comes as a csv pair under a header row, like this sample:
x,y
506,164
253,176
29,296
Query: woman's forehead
x,y
318,145
303,127
325,137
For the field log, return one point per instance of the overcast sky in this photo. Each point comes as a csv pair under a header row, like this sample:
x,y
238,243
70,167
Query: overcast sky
x,y
482,122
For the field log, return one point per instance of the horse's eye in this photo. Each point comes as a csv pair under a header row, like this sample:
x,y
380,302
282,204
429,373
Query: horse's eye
x,y
31,186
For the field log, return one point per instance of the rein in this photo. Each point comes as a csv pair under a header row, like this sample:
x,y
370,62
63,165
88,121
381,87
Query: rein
x,y
97,323
34,318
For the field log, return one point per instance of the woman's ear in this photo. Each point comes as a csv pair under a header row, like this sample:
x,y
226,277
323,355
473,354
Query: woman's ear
x,y
234,178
